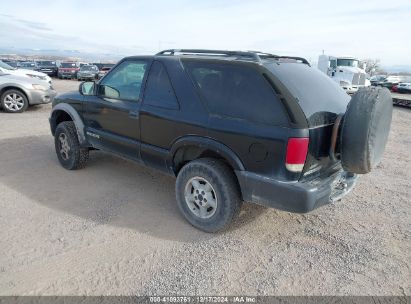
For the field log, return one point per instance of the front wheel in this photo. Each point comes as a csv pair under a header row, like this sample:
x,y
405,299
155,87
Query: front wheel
x,y
208,194
69,153
14,101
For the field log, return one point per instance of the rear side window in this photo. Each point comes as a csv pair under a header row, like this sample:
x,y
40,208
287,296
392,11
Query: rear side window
x,y
320,97
159,91
237,91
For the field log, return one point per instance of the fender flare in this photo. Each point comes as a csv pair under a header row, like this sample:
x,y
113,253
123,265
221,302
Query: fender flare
x,y
75,117
206,144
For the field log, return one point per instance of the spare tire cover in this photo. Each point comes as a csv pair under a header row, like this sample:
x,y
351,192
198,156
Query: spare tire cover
x,y
365,129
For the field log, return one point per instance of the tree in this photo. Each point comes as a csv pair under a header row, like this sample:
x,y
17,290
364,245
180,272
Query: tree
x,y
372,66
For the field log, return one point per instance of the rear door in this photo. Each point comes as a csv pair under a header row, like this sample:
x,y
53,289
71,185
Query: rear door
x,y
113,113
159,119
322,100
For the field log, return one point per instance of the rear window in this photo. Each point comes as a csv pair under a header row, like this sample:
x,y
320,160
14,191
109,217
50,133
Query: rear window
x,y
236,91
320,97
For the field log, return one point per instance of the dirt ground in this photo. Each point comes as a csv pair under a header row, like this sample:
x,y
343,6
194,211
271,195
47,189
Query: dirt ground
x,y
114,228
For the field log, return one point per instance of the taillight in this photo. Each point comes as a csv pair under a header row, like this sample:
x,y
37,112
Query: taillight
x,y
297,149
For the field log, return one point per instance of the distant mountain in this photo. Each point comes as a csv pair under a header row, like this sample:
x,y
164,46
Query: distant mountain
x,y
60,54
113,57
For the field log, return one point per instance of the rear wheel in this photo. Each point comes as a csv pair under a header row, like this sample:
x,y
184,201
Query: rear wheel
x,y
208,194
14,101
69,152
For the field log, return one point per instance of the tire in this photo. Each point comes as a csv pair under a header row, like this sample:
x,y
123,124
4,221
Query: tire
x,y
216,182
69,153
14,101
365,128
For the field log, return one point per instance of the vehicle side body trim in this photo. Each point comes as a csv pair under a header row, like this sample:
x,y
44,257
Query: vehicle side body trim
x,y
65,107
205,143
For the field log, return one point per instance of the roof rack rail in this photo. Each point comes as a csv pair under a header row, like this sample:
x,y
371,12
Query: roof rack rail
x,y
268,55
303,60
255,55
211,52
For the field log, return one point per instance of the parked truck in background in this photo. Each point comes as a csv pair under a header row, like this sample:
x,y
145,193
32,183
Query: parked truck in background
x,y
346,71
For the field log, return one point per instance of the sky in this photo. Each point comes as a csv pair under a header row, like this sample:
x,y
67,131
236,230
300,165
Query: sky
x,y
377,29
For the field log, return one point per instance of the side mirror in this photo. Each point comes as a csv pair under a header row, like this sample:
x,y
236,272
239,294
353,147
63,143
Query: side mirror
x,y
87,88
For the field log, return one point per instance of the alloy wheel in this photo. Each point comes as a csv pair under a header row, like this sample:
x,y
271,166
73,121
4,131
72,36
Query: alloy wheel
x,y
13,102
200,197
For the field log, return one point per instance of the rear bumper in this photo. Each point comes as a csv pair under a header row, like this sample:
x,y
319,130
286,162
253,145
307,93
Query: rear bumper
x,y
299,197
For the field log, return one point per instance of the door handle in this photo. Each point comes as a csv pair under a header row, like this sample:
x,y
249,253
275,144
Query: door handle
x,y
133,114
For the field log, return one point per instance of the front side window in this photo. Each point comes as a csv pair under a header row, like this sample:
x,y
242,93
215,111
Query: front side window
x,y
124,82
159,91
237,91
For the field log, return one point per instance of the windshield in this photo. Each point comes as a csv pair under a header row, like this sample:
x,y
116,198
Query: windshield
x,y
348,62
320,97
68,65
28,64
92,68
5,66
47,63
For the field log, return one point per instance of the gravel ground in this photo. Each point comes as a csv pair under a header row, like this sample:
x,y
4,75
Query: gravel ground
x,y
114,228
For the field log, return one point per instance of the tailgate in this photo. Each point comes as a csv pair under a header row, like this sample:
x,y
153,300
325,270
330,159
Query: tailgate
x,y
318,161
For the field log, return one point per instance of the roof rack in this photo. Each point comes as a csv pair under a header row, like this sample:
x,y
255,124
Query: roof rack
x,y
263,55
250,55
253,55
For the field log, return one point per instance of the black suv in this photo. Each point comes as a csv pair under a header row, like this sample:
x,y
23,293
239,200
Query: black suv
x,y
231,126
47,66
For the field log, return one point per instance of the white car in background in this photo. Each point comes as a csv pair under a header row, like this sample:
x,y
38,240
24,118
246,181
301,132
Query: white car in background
x,y
19,92
7,69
